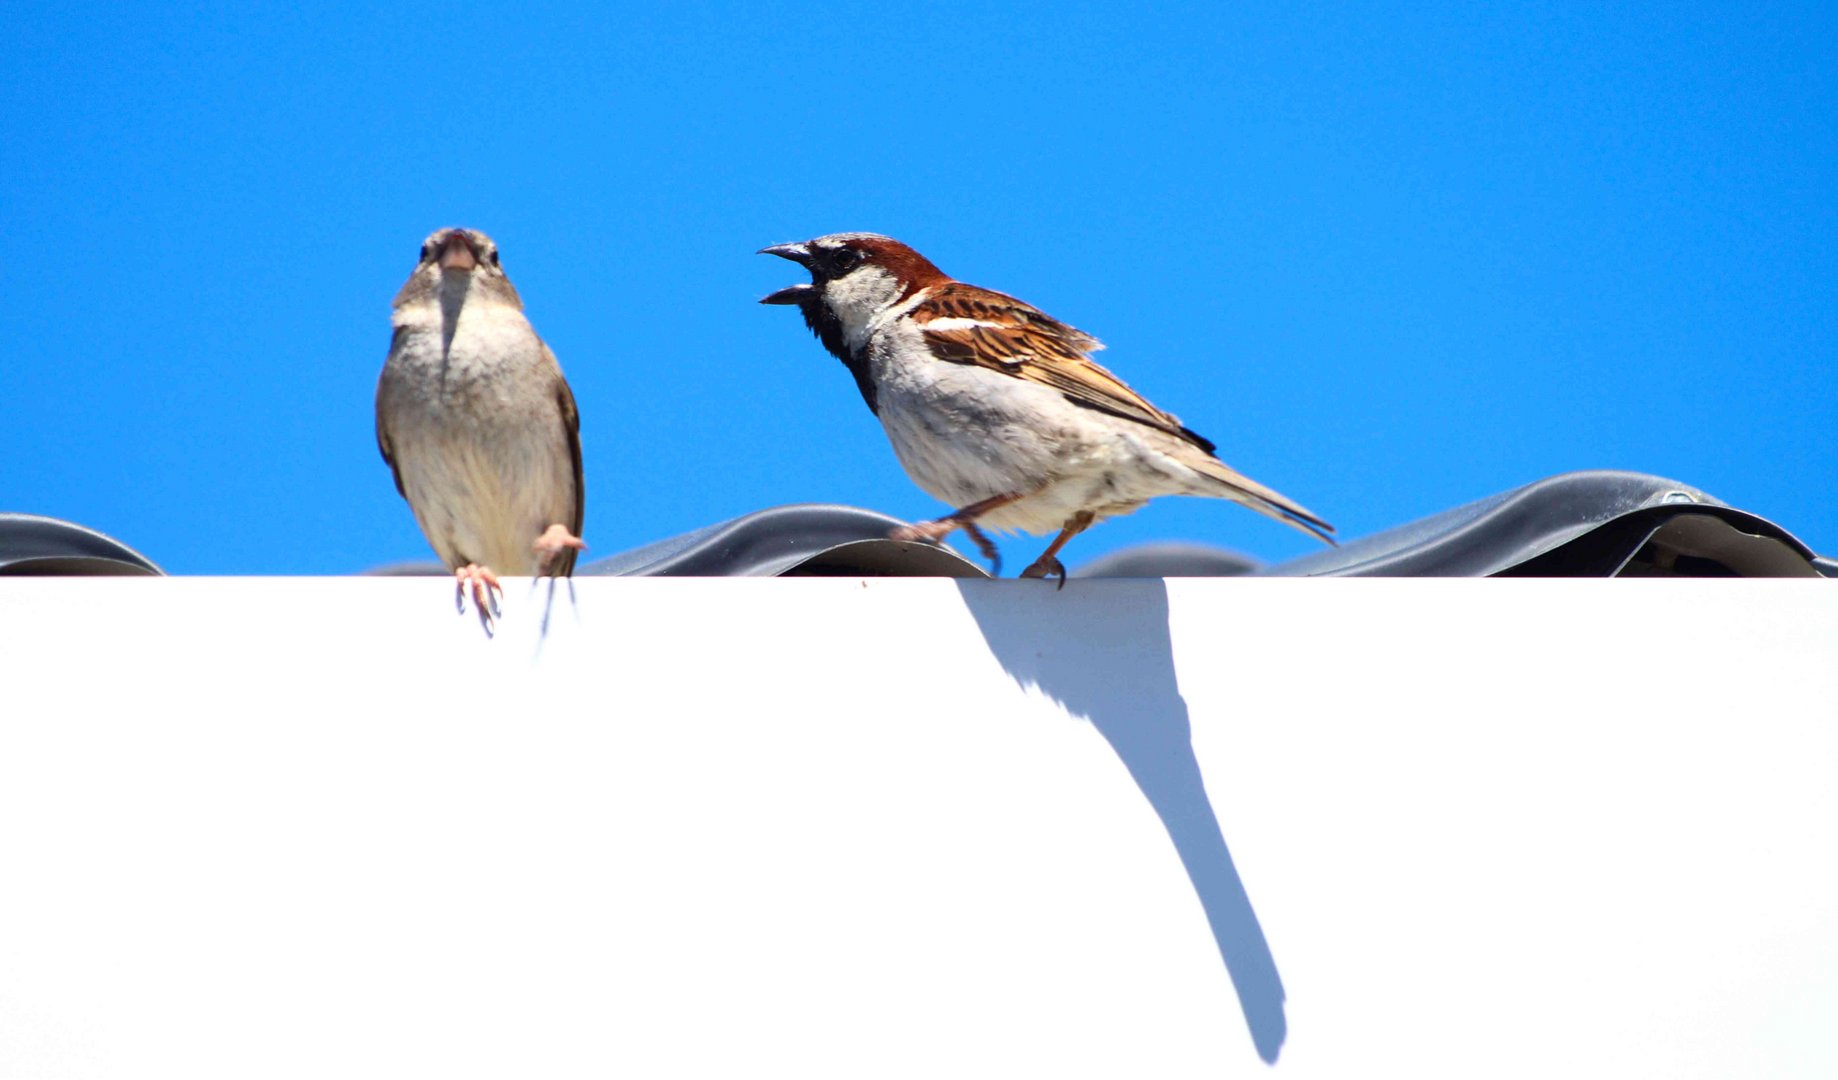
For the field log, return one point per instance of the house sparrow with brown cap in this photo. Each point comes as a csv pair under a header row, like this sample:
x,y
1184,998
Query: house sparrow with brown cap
x,y
478,425
996,408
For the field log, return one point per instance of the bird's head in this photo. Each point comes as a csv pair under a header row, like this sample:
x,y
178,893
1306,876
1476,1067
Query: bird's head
x,y
464,260
855,277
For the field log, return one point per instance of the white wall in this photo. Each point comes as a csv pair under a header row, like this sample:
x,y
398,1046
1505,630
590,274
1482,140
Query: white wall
x,y
835,828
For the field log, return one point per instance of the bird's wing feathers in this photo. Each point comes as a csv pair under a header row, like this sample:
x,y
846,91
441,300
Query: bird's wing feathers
x,y
571,424
965,324
389,456
968,325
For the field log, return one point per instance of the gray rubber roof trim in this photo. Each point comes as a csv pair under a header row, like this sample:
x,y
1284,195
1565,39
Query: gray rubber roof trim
x,y
1512,530
1599,523
807,539
30,544
1582,524
1168,559
1593,524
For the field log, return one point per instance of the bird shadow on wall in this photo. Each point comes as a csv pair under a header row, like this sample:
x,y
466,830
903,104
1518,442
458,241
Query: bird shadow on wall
x,y
548,606
1105,655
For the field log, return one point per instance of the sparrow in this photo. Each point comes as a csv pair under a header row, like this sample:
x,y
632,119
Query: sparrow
x,y
996,408
477,424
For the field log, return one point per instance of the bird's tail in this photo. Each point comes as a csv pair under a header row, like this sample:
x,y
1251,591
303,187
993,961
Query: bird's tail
x,y
1245,491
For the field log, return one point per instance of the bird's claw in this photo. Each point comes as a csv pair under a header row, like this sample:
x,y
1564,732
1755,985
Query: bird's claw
x,y
1047,566
485,590
985,545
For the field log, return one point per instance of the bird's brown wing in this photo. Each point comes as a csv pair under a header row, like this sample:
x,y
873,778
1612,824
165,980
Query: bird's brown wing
x,y
965,324
571,425
389,456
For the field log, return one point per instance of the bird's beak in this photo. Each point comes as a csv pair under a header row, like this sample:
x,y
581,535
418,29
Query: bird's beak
x,y
457,253
791,294
798,253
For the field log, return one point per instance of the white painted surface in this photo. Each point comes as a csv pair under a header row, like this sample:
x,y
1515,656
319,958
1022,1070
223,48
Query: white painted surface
x,y
827,828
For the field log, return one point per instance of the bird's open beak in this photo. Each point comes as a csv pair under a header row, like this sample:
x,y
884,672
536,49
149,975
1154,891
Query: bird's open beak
x,y
457,253
791,294
798,253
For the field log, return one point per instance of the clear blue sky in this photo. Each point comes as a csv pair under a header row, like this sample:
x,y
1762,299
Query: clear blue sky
x,y
1389,261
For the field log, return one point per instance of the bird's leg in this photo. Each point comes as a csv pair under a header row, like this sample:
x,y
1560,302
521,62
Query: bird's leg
x,y
549,546
1048,565
934,531
985,545
483,584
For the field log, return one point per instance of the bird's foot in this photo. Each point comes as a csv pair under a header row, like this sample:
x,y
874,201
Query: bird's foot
x,y
987,546
1047,566
924,532
931,532
550,545
483,585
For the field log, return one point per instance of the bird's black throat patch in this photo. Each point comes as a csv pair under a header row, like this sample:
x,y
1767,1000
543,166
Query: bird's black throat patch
x,y
828,328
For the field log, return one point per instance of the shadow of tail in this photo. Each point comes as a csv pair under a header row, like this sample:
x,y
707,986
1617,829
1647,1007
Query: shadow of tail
x,y
1103,651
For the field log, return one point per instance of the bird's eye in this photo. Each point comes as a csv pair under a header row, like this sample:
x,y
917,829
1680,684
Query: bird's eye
x,y
493,256
426,250
846,260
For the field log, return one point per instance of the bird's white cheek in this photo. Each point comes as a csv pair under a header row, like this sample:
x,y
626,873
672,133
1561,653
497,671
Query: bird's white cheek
x,y
858,299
